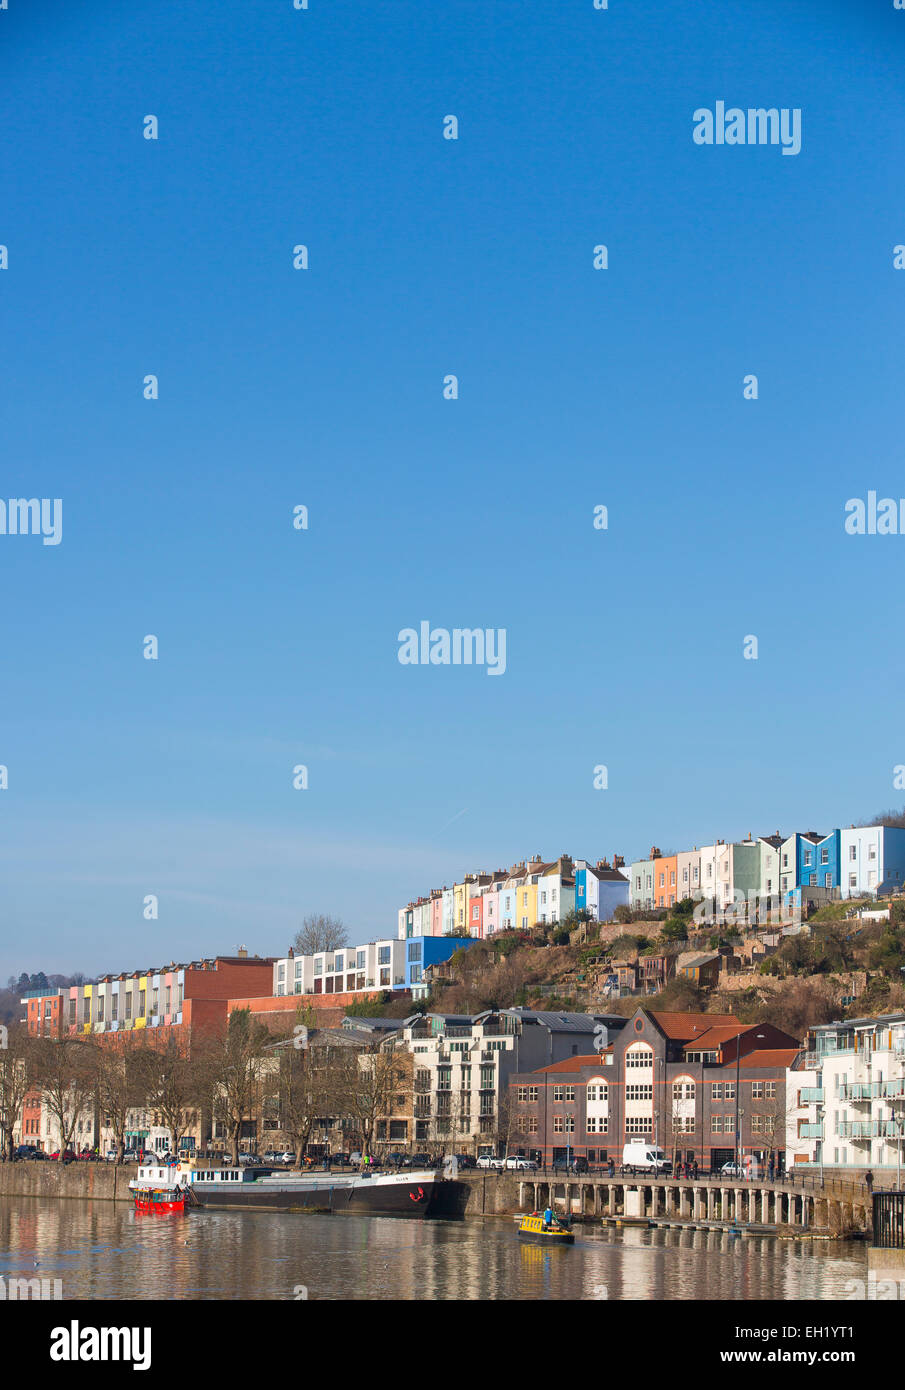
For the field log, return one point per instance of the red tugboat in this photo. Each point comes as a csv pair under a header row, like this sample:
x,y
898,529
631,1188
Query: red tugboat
x,y
158,1189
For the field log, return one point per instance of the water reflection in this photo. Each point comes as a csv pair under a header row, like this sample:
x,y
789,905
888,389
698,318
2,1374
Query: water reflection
x,y
105,1251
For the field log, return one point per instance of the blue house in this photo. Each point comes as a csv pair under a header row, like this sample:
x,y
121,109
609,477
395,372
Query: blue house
x,y
810,865
422,951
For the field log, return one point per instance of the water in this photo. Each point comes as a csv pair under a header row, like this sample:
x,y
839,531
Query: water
x,y
102,1250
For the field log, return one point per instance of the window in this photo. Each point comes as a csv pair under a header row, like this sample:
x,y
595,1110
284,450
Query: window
x,y
597,1124
683,1090
557,1124
531,1125
757,1090
639,1092
384,977
569,1124
637,1124
383,955
318,965
757,1124
770,1090
141,1003
716,1124
114,1007
716,1090
824,856
597,1091
339,964
639,1057
852,853
807,858
360,961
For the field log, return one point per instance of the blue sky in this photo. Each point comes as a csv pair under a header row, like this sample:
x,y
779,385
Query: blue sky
x,y
324,388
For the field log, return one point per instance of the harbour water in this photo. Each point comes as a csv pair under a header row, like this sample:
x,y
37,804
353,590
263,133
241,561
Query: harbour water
x,y
104,1250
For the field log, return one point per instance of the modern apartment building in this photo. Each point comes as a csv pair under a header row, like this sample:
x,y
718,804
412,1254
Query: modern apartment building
x,y
389,963
848,1088
463,1063
177,997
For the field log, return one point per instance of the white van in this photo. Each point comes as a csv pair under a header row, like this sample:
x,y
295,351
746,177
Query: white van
x,y
646,1158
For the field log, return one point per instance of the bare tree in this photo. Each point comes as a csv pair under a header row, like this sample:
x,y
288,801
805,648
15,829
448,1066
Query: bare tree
x,y
121,1078
173,1085
320,932
66,1071
16,1080
363,1087
238,1069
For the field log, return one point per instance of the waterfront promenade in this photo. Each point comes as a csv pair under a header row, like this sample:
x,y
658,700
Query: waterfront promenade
x,y
837,1206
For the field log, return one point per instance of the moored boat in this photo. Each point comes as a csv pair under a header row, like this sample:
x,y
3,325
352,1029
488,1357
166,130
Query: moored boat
x,y
533,1227
426,1193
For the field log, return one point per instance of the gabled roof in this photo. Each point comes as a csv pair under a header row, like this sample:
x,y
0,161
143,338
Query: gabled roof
x,y
574,1063
770,1057
685,1027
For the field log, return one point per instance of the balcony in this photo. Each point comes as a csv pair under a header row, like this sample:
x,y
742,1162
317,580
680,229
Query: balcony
x,y
859,1129
812,1131
861,1090
812,1095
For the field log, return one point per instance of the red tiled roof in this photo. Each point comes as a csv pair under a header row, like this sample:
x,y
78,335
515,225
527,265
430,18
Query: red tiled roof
x,y
715,1037
683,1027
575,1063
770,1057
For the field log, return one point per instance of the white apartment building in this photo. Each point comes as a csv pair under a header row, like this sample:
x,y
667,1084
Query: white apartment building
x,y
847,1099
375,965
462,1065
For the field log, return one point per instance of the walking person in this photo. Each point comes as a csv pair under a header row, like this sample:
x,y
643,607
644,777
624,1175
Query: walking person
x,y
869,1181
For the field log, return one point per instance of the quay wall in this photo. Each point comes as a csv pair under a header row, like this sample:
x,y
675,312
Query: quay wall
x,y
100,1182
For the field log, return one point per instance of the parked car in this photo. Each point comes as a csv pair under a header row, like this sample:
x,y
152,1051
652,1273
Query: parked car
x,y
271,1156
245,1159
340,1160
399,1160
111,1155
29,1151
732,1170
422,1161
520,1164
465,1160
355,1159
488,1161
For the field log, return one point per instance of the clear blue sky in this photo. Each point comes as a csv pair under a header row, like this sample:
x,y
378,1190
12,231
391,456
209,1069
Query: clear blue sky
x,y
280,387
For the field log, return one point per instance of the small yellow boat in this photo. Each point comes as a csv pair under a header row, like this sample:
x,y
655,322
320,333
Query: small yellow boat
x,y
532,1228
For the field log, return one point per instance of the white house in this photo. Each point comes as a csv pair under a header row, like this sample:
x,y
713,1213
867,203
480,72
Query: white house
x,y
872,860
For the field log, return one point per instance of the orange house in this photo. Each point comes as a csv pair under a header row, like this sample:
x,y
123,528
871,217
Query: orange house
x,y
665,872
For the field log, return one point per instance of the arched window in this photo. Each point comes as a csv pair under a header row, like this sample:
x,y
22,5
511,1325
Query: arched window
x,y
639,1057
683,1088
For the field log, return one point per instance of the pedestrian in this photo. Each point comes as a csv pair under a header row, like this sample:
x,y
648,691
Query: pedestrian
x,y
869,1180
611,1168
695,1170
